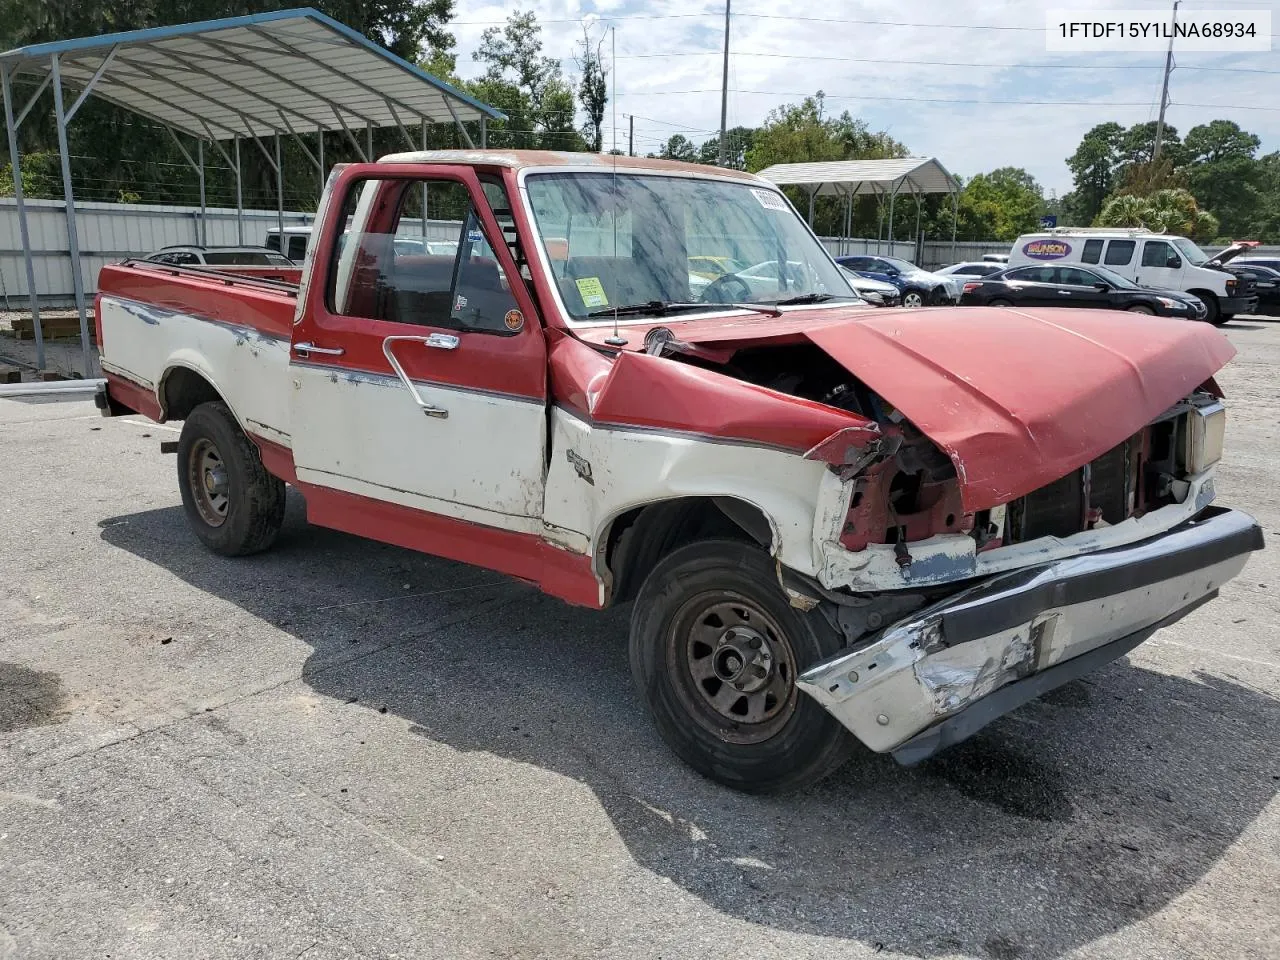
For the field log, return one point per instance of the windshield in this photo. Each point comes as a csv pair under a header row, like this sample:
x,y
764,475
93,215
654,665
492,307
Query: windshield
x,y
618,240
1190,252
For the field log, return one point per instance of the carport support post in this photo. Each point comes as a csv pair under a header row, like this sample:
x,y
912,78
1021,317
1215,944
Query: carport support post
x,y
320,158
68,196
368,141
812,193
23,233
204,231
955,217
239,196
484,132
280,196
424,183
892,197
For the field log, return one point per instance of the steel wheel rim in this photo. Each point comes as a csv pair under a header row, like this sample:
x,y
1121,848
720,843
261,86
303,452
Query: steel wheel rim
x,y
210,485
913,300
734,667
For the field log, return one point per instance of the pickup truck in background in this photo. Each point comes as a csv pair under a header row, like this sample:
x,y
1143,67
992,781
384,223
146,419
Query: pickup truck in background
x,y
834,523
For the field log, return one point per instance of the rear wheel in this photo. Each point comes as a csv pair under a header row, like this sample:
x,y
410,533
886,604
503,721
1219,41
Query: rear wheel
x,y
715,650
999,303
913,298
232,503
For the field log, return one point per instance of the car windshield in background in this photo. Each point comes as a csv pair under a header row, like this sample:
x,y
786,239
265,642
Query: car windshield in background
x,y
246,258
1190,252
632,239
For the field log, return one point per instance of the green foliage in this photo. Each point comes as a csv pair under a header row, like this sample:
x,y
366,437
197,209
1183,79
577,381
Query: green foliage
x,y
527,86
593,89
1165,211
1093,168
1000,205
678,147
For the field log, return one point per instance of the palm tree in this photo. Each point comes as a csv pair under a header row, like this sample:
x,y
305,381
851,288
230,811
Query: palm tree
x,y
1125,210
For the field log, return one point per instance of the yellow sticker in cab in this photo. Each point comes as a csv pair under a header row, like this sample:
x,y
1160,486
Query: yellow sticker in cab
x,y
592,292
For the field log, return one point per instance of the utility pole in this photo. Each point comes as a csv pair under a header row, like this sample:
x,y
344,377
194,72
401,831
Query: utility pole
x,y
724,87
1164,92
631,135
613,55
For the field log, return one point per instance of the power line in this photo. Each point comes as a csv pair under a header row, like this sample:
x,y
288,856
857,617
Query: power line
x,y
1011,103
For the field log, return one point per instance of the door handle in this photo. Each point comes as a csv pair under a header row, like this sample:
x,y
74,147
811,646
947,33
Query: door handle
x,y
307,348
438,341
1064,293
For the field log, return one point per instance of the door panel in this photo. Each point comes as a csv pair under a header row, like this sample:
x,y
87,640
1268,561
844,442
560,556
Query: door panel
x,y
1153,266
419,378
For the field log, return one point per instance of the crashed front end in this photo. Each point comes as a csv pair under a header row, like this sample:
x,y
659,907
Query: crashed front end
x,y
956,617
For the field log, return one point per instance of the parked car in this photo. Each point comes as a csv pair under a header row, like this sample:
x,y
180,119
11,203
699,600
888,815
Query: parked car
x,y
918,287
247,261
1271,262
835,522
1070,286
875,292
1266,281
1155,260
970,269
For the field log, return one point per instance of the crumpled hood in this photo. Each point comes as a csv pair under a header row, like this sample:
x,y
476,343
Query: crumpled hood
x,y
1017,398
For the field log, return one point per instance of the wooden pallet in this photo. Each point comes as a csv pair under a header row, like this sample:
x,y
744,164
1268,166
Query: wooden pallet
x,y
54,328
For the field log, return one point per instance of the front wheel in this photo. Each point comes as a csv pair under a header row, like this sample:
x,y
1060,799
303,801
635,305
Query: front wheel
x,y
715,650
913,298
232,503
1139,308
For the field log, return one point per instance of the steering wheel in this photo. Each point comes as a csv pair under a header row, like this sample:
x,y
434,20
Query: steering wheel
x,y
717,291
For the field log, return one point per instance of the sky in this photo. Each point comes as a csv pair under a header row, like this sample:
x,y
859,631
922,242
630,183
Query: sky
x,y
898,72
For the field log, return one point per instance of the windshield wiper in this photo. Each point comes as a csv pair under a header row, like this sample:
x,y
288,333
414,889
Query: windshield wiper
x,y
660,308
810,298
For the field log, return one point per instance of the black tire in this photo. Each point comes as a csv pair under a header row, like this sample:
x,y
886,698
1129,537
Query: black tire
x,y
796,744
232,503
1224,319
1213,314
912,298
997,302
1140,308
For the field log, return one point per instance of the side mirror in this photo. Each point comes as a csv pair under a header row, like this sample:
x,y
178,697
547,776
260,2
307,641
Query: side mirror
x,y
1102,287
1175,261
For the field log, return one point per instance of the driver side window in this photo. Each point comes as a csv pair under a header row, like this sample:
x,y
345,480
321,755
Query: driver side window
x,y
398,266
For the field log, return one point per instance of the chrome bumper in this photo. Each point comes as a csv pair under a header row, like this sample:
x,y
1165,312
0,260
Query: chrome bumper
x,y
945,672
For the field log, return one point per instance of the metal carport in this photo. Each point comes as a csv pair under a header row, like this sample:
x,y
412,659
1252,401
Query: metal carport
x,y
291,72
861,178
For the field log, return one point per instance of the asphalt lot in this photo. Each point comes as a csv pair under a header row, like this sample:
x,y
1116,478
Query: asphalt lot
x,y
342,749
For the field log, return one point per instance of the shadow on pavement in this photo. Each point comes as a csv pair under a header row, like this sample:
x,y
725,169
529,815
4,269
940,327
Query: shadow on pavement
x,y
1060,824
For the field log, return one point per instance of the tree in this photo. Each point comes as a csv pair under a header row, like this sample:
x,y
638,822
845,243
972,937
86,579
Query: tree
x,y
739,140
525,85
1165,211
1093,171
1224,174
1139,143
593,88
1000,205
678,147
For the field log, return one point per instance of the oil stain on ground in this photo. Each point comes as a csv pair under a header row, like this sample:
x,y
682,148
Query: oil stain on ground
x,y
29,698
987,771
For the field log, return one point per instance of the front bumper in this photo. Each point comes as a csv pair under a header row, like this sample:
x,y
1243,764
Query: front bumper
x,y
1233,305
945,672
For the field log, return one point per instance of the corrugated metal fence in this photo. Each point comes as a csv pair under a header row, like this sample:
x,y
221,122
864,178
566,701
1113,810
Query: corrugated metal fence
x,y
113,231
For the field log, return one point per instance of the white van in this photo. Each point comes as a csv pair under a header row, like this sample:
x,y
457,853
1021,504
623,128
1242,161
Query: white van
x,y
293,244
1150,259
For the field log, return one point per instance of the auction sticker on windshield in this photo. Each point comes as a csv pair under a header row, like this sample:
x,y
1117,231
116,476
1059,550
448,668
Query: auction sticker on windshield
x,y
769,200
592,292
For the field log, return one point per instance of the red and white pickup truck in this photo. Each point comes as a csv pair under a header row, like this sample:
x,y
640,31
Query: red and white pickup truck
x,y
646,381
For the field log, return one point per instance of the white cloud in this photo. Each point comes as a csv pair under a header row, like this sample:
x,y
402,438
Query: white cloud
x,y
861,68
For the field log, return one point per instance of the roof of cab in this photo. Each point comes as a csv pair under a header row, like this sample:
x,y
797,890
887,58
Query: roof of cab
x,y
525,159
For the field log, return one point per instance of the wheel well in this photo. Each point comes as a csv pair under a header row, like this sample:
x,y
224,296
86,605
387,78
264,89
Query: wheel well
x,y
183,390
641,537
1204,294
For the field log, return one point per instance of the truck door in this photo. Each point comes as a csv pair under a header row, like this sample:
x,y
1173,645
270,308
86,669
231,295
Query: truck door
x,y
418,378
1161,266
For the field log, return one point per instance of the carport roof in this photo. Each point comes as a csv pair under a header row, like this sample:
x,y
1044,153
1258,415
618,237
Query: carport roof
x,y
289,71
863,177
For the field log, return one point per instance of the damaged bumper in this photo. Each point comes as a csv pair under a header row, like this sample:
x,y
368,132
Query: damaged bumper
x,y
941,675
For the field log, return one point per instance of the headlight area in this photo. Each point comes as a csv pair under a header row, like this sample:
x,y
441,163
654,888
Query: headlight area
x,y
1170,304
1204,435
